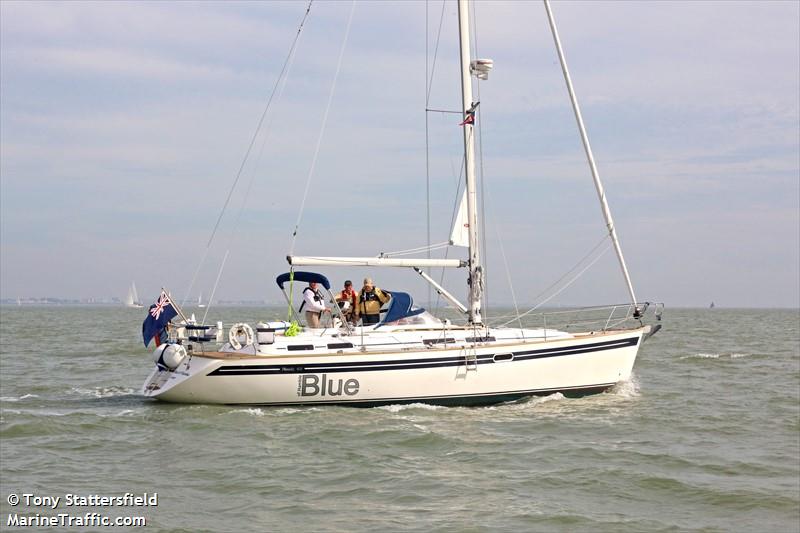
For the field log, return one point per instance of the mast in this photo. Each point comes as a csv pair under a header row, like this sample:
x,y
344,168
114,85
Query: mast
x,y
475,268
612,231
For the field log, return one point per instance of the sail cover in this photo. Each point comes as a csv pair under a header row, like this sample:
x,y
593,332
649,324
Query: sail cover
x,y
401,306
460,234
307,277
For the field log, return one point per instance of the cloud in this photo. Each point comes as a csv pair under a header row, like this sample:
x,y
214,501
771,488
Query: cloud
x,y
121,63
117,118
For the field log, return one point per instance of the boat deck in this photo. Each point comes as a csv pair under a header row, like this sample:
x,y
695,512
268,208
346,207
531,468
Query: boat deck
x,y
357,351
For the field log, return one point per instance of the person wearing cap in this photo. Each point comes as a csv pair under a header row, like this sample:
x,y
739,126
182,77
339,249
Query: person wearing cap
x,y
314,303
370,300
347,300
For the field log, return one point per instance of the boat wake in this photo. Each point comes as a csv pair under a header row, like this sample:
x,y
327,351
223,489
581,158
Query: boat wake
x,y
626,389
106,392
397,408
254,411
264,411
539,400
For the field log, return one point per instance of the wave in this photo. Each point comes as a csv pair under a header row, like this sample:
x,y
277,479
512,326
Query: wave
x,y
716,356
396,408
255,411
106,392
16,399
125,412
538,400
524,403
626,389
263,411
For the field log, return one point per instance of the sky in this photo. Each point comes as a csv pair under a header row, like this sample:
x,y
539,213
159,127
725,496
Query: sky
x,y
123,126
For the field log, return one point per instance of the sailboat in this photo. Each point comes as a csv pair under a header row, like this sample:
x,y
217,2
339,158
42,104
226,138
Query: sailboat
x,y
409,355
132,299
200,301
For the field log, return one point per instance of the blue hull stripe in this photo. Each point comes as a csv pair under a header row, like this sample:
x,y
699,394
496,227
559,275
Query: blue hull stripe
x,y
458,400
412,364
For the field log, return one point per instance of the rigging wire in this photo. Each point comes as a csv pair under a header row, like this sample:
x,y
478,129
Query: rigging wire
x,y
216,283
281,75
519,316
435,54
507,269
251,181
411,251
453,216
460,113
427,151
568,283
428,87
322,129
427,146
484,193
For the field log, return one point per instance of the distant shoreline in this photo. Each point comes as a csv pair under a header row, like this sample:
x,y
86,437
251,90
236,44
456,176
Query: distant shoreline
x,y
78,303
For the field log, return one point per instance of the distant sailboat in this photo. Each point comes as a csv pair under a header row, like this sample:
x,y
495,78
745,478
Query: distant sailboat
x,y
132,300
200,301
711,306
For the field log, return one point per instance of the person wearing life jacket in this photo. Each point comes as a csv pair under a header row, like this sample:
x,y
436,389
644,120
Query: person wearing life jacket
x,y
347,300
314,303
370,300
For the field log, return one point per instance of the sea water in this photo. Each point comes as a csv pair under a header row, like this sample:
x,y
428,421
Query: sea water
x,y
704,437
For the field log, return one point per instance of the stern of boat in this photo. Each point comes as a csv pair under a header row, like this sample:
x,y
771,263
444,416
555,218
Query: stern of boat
x,y
175,385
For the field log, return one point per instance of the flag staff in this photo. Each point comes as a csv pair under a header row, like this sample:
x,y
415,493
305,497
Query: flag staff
x,y
175,305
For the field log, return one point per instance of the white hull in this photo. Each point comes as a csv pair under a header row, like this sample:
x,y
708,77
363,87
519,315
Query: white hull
x,y
468,374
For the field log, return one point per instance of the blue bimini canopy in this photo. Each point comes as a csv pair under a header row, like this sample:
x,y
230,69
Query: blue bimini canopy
x,y
401,306
308,277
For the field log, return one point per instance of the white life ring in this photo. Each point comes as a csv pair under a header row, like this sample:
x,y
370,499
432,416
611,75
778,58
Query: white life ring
x,y
236,331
